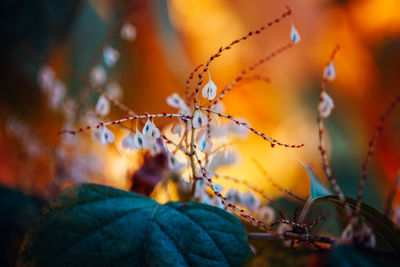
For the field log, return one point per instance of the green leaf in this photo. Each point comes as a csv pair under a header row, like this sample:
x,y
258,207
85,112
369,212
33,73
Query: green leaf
x,y
97,225
317,189
386,233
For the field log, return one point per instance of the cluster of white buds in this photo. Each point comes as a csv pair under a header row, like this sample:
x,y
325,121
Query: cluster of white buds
x,y
326,104
52,87
147,139
128,32
253,204
201,137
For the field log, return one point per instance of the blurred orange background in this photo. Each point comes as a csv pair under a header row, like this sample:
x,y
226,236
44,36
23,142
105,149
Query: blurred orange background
x,y
175,36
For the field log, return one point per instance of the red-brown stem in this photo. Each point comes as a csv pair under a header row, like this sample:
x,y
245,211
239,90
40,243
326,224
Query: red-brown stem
x,y
177,146
370,152
138,117
189,79
229,46
250,68
211,59
244,81
100,91
108,38
392,194
325,162
226,202
273,141
283,190
240,78
292,236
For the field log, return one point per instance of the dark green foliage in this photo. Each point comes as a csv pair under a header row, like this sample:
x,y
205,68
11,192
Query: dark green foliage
x,y
386,233
349,256
97,225
17,212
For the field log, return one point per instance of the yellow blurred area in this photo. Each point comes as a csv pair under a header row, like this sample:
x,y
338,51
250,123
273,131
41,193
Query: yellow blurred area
x,y
275,109
376,19
208,25
153,67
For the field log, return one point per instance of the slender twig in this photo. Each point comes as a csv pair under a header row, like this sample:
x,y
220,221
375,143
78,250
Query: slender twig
x,y
247,184
177,146
292,236
273,141
251,68
392,194
100,91
229,46
280,188
138,117
325,162
370,152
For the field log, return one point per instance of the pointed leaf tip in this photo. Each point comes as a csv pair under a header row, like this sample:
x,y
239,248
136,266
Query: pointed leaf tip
x,y
317,189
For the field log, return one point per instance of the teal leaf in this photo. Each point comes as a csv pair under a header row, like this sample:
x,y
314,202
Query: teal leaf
x,y
317,189
98,225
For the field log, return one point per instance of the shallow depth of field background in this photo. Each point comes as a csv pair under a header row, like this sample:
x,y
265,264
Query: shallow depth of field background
x,y
175,36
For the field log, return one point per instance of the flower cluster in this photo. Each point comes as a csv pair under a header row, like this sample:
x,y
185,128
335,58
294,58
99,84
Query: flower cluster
x,y
197,140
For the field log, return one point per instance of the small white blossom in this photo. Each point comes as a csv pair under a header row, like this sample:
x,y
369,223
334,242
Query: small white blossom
x,y
69,109
129,142
173,164
114,90
216,202
204,143
267,214
128,32
205,198
326,105
218,188
154,146
330,72
185,110
210,89
219,107
251,202
110,56
140,140
177,129
46,77
199,119
238,129
103,106
103,135
294,35
151,130
98,76
89,117
56,94
175,101
235,197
